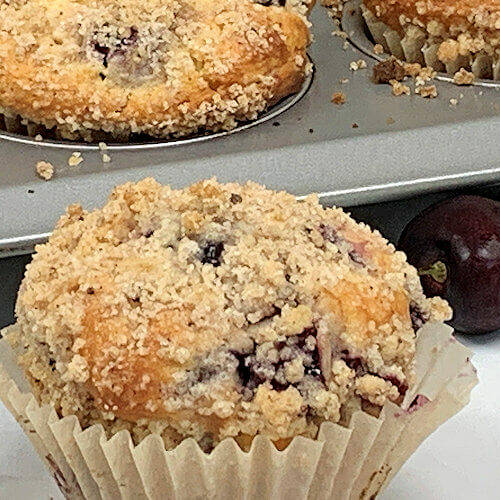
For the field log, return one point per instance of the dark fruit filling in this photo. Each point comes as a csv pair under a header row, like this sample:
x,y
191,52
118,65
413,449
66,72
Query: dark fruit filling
x,y
235,198
271,2
331,234
211,253
256,368
418,318
356,257
116,47
214,368
356,363
417,403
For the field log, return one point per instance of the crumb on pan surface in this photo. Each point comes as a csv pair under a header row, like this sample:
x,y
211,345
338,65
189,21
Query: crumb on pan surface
x,y
160,68
45,170
217,310
463,77
339,98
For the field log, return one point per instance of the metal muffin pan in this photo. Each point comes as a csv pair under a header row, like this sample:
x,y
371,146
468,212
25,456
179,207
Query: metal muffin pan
x,y
401,146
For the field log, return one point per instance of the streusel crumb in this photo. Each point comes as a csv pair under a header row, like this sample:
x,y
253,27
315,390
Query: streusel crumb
x,y
463,77
339,98
429,91
45,170
399,88
75,159
359,64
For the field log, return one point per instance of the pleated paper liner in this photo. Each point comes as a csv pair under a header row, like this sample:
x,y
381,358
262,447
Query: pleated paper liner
x,y
417,46
351,461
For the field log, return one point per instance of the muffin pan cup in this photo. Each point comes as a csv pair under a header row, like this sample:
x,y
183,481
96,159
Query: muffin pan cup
x,y
351,461
374,147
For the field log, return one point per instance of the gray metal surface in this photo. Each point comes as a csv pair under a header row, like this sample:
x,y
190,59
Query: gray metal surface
x,y
402,146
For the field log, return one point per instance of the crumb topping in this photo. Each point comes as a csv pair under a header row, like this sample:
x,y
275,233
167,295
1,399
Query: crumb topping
x,y
359,64
399,88
463,77
217,310
75,159
450,17
429,91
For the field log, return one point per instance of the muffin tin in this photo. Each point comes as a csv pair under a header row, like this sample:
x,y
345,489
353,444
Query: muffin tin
x,y
374,147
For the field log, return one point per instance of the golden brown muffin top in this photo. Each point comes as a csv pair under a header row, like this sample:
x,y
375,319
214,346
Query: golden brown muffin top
x,y
155,66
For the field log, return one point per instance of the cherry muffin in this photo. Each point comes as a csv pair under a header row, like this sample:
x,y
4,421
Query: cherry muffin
x,y
454,36
215,311
90,69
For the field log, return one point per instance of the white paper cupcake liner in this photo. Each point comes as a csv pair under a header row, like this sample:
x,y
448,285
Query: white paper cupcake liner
x,y
355,461
417,46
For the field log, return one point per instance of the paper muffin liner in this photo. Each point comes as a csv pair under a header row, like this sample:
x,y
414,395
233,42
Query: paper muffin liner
x,y
418,46
352,461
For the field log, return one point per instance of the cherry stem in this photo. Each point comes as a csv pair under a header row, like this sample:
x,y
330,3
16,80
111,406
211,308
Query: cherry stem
x,y
437,271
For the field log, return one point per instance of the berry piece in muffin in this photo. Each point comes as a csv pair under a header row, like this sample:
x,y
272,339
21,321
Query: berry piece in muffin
x,y
217,310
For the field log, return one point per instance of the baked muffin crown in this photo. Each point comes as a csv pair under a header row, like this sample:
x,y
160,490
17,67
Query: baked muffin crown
x,y
154,67
218,310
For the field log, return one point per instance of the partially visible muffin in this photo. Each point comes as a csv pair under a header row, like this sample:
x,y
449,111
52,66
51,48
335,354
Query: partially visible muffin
x,y
217,310
450,36
302,6
88,69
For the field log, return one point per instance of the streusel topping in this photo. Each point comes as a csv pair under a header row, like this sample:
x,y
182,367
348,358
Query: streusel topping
x,y
217,310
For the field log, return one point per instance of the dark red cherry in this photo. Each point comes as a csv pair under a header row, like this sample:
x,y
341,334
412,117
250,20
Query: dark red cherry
x,y
455,245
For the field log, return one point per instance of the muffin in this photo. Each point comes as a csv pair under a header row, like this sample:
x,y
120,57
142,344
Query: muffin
x,y
92,70
454,36
235,320
217,311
